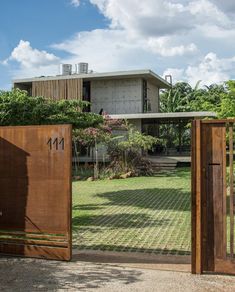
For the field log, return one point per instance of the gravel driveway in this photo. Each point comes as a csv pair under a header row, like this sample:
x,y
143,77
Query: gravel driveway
x,y
18,274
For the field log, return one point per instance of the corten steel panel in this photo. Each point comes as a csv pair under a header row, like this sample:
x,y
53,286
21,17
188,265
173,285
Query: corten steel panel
x,y
214,163
35,184
209,197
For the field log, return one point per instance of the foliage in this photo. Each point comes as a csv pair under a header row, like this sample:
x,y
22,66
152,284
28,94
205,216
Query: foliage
x,y
182,97
218,98
177,98
126,151
227,106
102,133
91,136
124,148
17,108
209,98
137,141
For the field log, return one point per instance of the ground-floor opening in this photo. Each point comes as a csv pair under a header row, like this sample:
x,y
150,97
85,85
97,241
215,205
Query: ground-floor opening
x,y
146,216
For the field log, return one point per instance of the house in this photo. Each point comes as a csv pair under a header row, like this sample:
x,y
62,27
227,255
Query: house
x,y
131,95
120,94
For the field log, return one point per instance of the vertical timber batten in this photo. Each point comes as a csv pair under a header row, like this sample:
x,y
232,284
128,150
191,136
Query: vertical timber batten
x,y
231,191
224,252
58,89
196,198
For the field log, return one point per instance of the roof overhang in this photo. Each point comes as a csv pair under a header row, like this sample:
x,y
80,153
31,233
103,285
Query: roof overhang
x,y
146,74
165,116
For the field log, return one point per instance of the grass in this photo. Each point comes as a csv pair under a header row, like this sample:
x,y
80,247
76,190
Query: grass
x,y
142,214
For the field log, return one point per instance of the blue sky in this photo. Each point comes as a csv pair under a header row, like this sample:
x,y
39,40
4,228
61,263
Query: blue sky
x,y
190,39
42,22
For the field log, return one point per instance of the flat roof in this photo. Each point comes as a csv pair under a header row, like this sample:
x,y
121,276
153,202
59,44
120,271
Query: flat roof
x,y
146,73
176,115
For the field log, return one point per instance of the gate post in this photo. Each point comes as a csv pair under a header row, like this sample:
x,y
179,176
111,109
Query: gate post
x,y
196,264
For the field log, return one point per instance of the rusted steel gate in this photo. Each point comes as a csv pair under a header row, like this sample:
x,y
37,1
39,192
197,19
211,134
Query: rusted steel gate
x,y
213,196
35,191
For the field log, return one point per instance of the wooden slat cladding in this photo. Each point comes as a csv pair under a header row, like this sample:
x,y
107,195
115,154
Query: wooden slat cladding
x,y
58,89
74,88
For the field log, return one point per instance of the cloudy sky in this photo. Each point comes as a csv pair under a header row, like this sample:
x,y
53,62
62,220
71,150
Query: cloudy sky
x,y
192,40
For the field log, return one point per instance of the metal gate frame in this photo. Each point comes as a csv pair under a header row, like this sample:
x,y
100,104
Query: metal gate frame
x,y
209,196
35,191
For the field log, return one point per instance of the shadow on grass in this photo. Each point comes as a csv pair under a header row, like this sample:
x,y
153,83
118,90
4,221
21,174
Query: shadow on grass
x,y
131,206
18,274
114,221
179,172
155,199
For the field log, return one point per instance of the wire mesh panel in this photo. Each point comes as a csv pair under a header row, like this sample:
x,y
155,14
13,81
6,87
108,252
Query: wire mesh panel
x,y
35,196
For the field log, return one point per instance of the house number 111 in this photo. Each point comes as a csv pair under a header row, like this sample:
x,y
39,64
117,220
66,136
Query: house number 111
x,y
56,143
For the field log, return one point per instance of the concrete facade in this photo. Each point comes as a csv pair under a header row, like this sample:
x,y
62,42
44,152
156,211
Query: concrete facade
x,y
117,96
123,96
153,97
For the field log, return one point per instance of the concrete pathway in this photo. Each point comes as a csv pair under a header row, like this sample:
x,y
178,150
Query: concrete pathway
x,y
111,273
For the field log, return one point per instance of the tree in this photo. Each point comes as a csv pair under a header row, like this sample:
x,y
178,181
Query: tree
x,y
18,108
209,98
126,150
179,98
218,98
227,106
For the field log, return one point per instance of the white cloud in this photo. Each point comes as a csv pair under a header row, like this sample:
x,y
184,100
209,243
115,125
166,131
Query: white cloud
x,y
210,69
156,34
28,57
106,50
161,17
31,62
215,32
177,74
164,47
206,12
120,48
75,3
149,17
225,5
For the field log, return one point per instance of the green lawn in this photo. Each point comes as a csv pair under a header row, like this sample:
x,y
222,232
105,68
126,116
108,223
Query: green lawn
x,y
142,214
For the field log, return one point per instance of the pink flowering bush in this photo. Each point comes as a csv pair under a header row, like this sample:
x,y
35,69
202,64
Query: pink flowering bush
x,y
101,134
125,150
